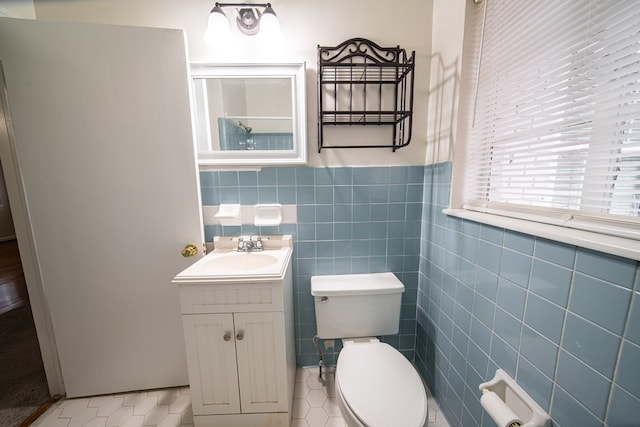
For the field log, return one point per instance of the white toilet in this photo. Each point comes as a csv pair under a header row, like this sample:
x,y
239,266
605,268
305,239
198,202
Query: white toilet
x,y
376,386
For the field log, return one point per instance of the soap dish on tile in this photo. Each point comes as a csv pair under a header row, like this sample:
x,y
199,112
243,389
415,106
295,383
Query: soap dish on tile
x,y
228,215
267,215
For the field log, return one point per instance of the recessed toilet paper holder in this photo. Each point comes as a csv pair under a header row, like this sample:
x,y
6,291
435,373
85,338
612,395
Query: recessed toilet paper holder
x,y
509,405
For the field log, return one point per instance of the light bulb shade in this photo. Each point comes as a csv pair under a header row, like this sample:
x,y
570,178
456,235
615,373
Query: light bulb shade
x,y
217,26
248,21
269,24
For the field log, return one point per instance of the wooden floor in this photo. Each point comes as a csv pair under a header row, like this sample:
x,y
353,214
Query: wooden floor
x,y
13,289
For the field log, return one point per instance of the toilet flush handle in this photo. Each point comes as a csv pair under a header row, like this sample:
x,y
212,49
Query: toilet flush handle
x,y
323,300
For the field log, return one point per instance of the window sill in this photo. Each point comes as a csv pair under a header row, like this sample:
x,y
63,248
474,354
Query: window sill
x,y
620,246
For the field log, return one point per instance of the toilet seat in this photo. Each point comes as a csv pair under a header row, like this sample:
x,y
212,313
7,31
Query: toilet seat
x,y
380,386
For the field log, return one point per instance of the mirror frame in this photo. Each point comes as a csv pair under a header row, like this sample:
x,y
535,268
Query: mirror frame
x,y
293,71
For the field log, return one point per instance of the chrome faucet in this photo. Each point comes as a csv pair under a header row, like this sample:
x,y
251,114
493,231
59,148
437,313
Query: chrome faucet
x,y
257,246
249,244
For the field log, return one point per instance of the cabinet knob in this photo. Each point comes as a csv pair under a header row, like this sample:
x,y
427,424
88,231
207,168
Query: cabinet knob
x,y
240,336
227,336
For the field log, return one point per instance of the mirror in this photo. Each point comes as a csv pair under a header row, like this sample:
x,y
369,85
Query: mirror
x,y
249,114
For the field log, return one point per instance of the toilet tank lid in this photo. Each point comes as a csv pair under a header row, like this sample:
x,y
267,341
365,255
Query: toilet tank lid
x,y
356,284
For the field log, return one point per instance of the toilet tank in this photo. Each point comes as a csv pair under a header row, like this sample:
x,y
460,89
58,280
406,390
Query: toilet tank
x,y
357,305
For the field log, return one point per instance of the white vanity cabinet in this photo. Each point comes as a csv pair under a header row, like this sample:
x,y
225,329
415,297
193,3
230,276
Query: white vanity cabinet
x,y
240,347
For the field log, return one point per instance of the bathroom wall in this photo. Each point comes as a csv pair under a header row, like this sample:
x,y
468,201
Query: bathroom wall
x,y
563,321
446,51
305,25
350,220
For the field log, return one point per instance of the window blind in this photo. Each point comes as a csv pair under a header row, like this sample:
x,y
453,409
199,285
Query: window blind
x,y
554,126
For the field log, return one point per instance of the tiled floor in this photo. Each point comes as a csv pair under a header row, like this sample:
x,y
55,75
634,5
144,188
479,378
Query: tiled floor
x,y
314,405
163,408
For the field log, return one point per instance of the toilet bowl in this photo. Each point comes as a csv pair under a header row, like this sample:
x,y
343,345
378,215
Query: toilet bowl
x,y
376,386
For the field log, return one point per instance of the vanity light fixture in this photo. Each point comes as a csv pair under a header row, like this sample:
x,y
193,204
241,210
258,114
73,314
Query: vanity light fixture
x,y
252,18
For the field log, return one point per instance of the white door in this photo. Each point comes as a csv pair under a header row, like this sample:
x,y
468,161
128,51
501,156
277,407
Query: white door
x,y
102,148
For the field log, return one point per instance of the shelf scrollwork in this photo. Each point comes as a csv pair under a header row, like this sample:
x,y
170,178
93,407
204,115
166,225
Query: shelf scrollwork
x,y
375,81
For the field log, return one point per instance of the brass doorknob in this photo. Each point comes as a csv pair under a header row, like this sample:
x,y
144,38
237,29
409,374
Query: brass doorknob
x,y
189,250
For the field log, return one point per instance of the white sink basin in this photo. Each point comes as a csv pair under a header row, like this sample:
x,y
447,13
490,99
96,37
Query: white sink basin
x,y
229,265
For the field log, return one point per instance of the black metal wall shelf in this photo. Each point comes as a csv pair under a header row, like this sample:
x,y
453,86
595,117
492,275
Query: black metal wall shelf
x,y
363,84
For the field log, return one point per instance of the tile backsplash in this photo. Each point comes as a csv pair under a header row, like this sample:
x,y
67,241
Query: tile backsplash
x,y
350,220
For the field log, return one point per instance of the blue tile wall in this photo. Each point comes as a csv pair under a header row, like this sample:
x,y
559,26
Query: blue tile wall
x,y
350,220
235,137
232,136
563,321
271,141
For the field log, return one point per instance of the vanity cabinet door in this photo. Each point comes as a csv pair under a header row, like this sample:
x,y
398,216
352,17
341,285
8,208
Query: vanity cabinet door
x,y
211,356
260,346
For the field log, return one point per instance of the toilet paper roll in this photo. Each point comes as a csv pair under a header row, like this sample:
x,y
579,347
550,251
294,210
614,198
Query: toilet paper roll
x,y
498,409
